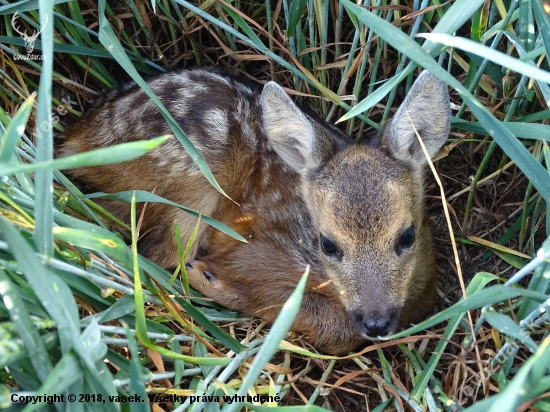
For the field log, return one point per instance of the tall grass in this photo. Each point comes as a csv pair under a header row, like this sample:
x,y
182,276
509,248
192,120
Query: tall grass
x,y
83,313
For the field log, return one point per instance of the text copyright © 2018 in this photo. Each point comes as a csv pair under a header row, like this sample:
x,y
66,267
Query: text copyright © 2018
x,y
152,397
72,398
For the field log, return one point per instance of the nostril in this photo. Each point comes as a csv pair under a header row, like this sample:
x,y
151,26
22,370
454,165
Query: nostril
x,y
375,323
377,326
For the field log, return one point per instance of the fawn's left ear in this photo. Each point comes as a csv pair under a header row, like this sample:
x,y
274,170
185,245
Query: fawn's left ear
x,y
291,133
427,107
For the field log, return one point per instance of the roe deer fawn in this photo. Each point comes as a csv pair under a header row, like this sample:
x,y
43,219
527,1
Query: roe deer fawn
x,y
305,193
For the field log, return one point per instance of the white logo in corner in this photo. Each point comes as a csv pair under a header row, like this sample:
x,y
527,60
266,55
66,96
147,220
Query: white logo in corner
x,y
29,40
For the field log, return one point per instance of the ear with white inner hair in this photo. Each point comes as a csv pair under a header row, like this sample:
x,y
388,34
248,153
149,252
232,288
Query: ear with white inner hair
x,y
427,107
291,134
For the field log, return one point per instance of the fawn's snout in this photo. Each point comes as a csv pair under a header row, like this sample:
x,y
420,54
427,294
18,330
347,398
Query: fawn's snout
x,y
376,323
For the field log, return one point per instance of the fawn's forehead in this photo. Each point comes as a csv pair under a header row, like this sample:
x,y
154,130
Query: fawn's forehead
x,y
365,184
362,167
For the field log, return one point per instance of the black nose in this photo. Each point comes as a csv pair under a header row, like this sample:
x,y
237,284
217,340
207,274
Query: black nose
x,y
376,323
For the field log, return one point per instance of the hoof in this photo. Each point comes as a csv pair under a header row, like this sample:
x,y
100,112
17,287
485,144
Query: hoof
x,y
209,275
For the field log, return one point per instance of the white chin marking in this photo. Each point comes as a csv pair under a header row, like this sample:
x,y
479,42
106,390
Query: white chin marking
x,y
375,339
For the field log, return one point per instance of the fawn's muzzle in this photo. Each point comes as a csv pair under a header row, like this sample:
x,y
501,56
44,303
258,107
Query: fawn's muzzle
x,y
376,323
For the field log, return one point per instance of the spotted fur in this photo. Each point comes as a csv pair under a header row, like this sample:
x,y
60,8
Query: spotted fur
x,y
295,181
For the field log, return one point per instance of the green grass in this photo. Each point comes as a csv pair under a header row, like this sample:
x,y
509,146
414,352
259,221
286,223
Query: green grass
x,y
82,313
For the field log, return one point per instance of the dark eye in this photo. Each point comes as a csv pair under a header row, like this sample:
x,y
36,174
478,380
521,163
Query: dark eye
x,y
407,238
329,248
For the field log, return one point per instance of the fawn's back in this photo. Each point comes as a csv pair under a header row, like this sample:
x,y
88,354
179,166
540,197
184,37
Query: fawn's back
x,y
304,193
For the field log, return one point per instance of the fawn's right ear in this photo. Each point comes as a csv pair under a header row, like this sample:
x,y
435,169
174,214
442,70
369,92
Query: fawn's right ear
x,y
427,107
291,134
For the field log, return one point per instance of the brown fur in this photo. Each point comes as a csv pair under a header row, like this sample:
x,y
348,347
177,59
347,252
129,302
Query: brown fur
x,y
293,178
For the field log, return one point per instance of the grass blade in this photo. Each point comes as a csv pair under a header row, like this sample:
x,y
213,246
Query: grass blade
x,y
543,22
15,129
108,38
141,327
519,129
279,329
118,153
137,383
67,371
477,300
507,141
479,281
43,237
504,324
489,54
26,330
522,386
143,196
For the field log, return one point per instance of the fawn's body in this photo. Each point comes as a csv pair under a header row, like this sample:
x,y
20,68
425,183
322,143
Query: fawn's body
x,y
304,193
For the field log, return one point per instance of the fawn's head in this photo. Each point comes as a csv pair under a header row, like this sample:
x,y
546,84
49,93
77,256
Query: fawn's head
x,y
366,201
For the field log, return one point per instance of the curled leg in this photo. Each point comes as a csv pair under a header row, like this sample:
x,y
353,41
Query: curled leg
x,y
202,279
326,323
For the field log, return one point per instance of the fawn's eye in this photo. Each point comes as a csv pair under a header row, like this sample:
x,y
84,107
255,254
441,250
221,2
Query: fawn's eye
x,y
407,238
329,248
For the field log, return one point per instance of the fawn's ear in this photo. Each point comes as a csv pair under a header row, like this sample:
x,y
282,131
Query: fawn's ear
x,y
292,135
427,107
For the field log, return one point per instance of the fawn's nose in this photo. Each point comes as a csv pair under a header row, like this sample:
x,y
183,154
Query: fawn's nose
x,y
376,323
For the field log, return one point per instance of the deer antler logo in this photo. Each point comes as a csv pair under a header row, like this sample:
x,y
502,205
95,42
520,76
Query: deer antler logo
x,y
29,40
